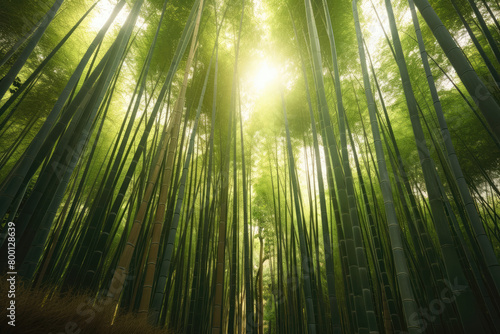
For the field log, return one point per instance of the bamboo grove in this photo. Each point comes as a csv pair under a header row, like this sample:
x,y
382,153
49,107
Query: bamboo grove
x,y
356,191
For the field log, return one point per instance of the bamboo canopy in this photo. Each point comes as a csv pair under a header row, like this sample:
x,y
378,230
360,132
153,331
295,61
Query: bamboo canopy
x,y
256,166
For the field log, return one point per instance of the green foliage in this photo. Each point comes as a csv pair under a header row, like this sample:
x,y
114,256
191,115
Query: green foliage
x,y
89,215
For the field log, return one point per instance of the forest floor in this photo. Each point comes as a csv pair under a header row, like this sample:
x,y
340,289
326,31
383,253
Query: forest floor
x,y
40,311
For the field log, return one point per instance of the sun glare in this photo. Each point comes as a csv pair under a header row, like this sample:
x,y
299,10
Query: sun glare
x,y
264,75
103,12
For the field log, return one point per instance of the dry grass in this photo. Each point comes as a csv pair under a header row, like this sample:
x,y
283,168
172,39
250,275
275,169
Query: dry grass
x,y
39,312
